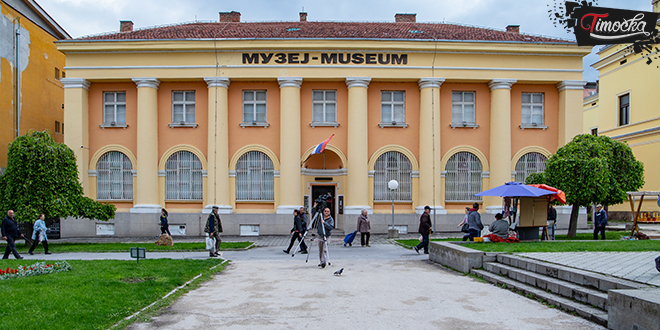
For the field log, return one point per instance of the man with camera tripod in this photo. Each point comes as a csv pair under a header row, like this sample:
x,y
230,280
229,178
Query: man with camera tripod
x,y
324,229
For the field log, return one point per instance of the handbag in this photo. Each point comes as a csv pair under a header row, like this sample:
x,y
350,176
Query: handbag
x,y
465,228
42,236
210,243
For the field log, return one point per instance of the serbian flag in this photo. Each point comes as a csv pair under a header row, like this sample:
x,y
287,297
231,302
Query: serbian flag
x,y
319,148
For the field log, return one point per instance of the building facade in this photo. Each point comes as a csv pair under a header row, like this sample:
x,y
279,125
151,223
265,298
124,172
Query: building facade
x,y
31,67
625,110
228,113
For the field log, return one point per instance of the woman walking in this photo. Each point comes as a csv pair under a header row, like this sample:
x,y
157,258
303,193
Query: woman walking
x,y
364,227
164,225
39,235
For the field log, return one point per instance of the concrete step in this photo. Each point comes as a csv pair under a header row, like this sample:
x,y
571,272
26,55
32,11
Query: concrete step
x,y
577,276
590,313
567,289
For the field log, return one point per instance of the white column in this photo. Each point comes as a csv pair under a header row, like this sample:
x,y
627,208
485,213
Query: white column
x,y
570,110
430,191
218,145
290,179
76,118
357,182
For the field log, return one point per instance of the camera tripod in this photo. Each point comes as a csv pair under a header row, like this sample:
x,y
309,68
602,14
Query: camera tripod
x,y
314,223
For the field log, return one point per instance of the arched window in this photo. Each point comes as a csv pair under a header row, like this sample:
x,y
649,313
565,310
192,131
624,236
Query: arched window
x,y
183,177
393,165
114,177
529,163
463,177
255,177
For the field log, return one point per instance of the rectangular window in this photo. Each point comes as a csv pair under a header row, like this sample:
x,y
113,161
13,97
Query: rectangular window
x,y
183,107
57,73
532,109
114,109
594,131
254,107
324,106
392,107
462,108
624,109
57,126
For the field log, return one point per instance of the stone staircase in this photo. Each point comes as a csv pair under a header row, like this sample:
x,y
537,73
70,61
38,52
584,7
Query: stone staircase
x,y
573,290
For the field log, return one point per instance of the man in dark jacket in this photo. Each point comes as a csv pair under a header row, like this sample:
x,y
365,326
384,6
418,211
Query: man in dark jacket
x,y
10,232
474,221
214,228
324,229
425,230
600,221
297,232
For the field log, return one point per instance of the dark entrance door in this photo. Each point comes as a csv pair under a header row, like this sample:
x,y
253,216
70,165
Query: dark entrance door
x,y
319,190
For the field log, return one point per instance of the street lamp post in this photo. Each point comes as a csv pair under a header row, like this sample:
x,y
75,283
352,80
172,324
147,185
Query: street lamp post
x,y
392,185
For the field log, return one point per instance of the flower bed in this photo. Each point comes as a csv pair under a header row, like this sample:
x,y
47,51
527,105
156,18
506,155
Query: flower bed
x,y
40,268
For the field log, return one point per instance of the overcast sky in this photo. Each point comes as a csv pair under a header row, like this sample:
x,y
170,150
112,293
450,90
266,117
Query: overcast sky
x,y
84,17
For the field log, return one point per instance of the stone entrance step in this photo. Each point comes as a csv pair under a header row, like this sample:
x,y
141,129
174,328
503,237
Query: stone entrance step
x,y
593,314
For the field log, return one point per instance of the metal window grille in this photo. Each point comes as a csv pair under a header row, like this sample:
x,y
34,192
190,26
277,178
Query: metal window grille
x,y
529,163
624,109
114,108
114,177
183,177
255,177
393,165
183,106
324,106
532,108
392,107
463,107
254,106
463,177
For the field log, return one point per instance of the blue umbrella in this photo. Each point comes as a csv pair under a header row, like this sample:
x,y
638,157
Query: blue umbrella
x,y
515,189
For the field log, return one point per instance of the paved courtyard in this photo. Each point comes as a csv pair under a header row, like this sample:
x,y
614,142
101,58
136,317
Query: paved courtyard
x,y
382,287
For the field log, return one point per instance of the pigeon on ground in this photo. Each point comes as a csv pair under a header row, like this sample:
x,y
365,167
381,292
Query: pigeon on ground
x,y
338,273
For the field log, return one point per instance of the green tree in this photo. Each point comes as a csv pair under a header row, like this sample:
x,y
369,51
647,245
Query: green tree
x,y
592,170
42,177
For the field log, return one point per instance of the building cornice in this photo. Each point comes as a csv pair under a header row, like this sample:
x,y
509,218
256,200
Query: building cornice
x,y
290,81
75,83
358,82
149,82
430,82
571,84
217,82
499,83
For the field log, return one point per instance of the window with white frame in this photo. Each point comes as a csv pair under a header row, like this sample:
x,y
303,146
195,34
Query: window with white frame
x,y
392,165
532,109
532,162
254,107
324,106
255,177
183,177
183,107
624,109
114,177
462,108
114,109
463,177
392,108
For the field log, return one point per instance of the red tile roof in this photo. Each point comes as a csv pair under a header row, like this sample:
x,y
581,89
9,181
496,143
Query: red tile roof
x,y
323,30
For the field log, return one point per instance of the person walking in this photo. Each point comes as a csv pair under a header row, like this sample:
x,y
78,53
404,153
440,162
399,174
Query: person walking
x,y
303,219
324,230
164,224
10,232
460,225
296,233
552,220
214,228
39,234
364,227
474,221
425,230
600,221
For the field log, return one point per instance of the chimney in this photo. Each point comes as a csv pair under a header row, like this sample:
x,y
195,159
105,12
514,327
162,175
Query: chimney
x,y
303,16
125,26
405,18
513,28
232,16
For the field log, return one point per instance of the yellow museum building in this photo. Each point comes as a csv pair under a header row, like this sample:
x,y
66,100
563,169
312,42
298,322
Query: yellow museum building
x,y
625,108
227,113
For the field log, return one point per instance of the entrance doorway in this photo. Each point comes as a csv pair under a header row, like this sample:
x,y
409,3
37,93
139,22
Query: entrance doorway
x,y
319,190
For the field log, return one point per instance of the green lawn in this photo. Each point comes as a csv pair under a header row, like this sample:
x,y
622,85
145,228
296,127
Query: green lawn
x,y
583,242
94,294
125,247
